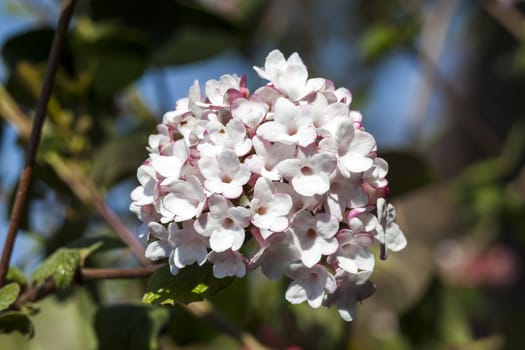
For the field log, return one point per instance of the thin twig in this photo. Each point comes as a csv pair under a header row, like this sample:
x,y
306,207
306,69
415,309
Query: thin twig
x,y
508,17
480,134
90,274
36,132
33,294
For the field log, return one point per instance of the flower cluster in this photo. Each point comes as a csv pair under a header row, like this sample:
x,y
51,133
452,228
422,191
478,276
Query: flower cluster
x,y
289,166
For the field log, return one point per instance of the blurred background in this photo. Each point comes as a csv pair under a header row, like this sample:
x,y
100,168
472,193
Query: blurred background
x,y
440,83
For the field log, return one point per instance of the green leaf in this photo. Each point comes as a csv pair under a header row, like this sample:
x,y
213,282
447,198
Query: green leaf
x,y
130,327
192,283
130,152
32,46
192,44
113,55
8,295
14,274
62,265
16,321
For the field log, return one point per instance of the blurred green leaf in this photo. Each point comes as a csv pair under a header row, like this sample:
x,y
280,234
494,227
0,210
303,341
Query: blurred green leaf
x,y
62,266
113,55
8,295
14,274
160,18
130,152
192,283
130,327
16,321
377,40
193,44
32,46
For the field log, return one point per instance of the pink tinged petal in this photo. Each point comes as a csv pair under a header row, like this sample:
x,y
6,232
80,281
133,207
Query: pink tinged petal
x,y
356,163
189,253
309,185
274,64
281,204
271,131
296,294
395,238
167,166
157,250
240,215
218,205
222,240
177,208
250,112
306,136
289,168
324,162
326,225
206,224
363,143
227,264
230,190
158,231
209,168
344,135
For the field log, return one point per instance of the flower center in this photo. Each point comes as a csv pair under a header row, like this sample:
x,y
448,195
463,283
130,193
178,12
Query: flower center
x,y
292,131
306,170
226,179
311,234
261,211
228,222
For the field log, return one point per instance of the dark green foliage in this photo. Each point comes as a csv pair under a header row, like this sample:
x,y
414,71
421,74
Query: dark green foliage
x,y
16,321
130,327
192,283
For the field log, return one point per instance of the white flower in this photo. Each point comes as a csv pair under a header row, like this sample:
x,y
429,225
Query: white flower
x,y
314,236
219,137
224,174
289,76
183,200
250,112
352,148
169,163
351,289
216,89
291,164
388,232
227,263
270,209
345,193
376,175
309,284
160,248
353,254
291,124
190,247
224,224
275,255
309,176
267,156
147,191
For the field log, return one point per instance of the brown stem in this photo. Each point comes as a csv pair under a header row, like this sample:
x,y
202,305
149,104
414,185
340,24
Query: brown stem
x,y
480,134
33,294
90,274
36,132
